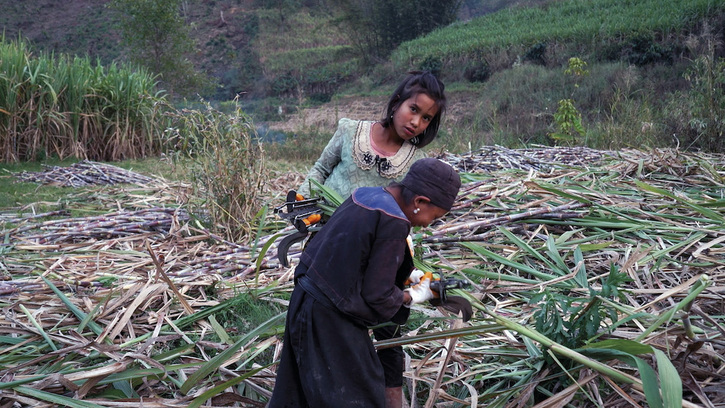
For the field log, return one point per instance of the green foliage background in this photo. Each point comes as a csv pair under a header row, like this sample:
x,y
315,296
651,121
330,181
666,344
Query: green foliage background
x,y
655,72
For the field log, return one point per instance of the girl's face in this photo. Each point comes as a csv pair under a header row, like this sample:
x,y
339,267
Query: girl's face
x,y
414,115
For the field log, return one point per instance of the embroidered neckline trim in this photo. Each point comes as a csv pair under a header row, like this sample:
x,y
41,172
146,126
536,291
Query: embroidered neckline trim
x,y
365,157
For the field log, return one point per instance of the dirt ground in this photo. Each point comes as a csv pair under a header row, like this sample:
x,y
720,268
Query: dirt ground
x,y
325,117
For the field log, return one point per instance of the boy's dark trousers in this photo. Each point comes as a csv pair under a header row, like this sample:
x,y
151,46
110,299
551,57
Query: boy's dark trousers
x,y
328,360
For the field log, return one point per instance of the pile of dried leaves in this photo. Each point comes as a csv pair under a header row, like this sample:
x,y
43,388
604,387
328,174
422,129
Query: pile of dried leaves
x,y
594,275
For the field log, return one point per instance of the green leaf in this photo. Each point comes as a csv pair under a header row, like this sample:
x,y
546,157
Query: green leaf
x,y
525,246
219,330
670,381
714,215
203,372
73,308
125,388
627,346
260,218
647,373
550,188
649,384
263,252
498,275
595,247
667,316
38,327
581,275
505,261
55,398
330,195
198,401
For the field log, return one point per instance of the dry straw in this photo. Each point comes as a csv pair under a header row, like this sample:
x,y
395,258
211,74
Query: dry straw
x,y
626,250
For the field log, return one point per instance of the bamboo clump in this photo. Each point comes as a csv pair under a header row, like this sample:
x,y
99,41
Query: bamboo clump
x,y
127,303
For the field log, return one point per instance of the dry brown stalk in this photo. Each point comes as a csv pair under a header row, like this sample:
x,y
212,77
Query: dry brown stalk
x,y
474,225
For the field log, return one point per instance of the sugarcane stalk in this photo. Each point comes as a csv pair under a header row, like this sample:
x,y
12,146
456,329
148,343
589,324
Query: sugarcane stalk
x,y
507,218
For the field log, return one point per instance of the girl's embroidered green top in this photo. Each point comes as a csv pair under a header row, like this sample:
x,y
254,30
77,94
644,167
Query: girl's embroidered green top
x,y
349,161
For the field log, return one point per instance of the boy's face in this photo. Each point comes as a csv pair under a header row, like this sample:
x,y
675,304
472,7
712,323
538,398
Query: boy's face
x,y
427,214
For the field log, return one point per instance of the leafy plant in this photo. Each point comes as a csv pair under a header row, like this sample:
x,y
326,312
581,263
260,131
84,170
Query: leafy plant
x,y
573,321
568,120
567,117
576,68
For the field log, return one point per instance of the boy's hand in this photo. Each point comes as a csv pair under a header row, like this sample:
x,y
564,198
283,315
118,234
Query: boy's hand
x,y
421,292
414,277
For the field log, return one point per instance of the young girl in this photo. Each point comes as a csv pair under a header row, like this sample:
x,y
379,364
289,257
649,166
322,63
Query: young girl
x,y
351,276
368,153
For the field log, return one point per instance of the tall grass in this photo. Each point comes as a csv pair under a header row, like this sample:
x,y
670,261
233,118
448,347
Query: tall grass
x,y
70,107
221,155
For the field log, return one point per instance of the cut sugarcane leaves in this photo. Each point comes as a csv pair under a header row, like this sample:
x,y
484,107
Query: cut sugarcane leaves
x,y
617,255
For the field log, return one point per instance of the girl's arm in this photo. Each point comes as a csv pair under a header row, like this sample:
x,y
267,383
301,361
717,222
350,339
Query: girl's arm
x,y
329,159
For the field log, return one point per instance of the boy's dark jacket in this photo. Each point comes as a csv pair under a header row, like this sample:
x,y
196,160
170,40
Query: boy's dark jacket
x,y
360,258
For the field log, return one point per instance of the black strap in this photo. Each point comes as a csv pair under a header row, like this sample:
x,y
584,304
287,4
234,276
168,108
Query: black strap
x,y
309,286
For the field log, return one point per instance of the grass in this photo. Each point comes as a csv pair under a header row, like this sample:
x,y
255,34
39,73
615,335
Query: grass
x,y
43,197
15,195
153,166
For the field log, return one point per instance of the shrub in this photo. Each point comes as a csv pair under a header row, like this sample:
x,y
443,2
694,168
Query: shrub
x,y
643,50
536,54
477,71
222,156
284,85
432,64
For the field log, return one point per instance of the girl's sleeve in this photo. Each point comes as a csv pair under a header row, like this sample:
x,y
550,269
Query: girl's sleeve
x,y
329,159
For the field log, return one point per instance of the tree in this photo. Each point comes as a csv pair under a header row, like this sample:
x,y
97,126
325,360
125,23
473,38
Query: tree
x,y
157,37
376,27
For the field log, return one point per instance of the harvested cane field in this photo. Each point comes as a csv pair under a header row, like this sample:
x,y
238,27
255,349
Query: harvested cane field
x,y
597,280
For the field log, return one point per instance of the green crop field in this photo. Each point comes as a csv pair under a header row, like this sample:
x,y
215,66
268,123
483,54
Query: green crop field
x,y
575,22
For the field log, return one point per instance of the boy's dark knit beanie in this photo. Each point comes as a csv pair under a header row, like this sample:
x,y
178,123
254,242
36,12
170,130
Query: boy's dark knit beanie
x,y
434,179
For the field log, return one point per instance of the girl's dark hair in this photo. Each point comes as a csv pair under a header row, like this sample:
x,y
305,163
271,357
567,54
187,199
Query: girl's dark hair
x,y
415,83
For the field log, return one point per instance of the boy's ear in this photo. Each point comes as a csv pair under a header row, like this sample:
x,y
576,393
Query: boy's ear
x,y
421,199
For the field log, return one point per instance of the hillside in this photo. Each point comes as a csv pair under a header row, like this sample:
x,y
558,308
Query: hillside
x,y
236,39
504,63
76,27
